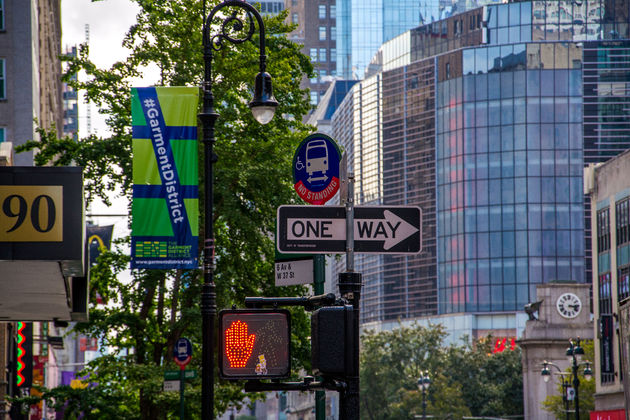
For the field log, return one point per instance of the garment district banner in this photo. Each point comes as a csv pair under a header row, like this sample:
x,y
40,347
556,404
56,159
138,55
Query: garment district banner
x,y
165,213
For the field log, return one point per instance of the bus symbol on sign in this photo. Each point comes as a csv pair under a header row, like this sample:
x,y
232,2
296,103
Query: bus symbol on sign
x,y
316,168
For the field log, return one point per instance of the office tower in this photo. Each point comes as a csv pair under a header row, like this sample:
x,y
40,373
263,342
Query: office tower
x,y
387,125
364,25
268,7
71,104
316,31
30,71
498,95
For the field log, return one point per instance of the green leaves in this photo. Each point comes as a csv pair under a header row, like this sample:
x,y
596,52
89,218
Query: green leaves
x,y
144,315
465,380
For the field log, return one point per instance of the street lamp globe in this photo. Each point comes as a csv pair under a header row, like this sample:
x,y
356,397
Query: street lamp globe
x,y
263,105
546,373
423,382
588,372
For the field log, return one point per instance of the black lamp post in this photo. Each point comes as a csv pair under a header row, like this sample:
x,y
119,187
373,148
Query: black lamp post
x,y
575,353
423,384
263,106
546,373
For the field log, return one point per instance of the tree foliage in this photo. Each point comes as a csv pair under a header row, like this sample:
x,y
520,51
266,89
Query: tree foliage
x,y
146,314
466,380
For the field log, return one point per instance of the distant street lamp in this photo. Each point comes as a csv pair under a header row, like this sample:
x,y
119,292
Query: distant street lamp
x,y
423,384
575,353
263,106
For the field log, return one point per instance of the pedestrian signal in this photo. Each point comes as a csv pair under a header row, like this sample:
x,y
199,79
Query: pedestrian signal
x,y
254,343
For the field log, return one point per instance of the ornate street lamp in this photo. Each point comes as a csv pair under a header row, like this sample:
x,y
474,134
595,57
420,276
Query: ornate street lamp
x,y
263,106
423,385
575,353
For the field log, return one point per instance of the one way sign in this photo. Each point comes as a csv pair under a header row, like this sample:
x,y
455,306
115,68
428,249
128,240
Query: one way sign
x,y
322,229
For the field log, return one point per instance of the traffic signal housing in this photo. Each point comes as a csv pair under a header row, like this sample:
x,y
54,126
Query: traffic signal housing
x,y
332,340
254,343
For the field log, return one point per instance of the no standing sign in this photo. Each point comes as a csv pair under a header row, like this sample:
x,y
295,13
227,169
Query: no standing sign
x,y
316,169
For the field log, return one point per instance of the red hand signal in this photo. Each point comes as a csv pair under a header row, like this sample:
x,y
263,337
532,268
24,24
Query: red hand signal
x,y
238,345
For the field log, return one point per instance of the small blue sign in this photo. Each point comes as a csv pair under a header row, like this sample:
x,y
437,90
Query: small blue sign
x,y
182,351
316,168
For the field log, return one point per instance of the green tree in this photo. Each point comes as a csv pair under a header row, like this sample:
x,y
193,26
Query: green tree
x,y
492,383
391,362
586,391
145,316
466,379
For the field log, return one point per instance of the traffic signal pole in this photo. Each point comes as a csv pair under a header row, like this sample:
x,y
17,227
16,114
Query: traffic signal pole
x,y
319,278
350,289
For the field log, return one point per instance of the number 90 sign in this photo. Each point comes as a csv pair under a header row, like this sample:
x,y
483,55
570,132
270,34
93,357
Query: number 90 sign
x,y
30,213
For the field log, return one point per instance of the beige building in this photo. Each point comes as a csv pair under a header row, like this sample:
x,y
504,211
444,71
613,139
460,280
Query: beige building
x,y
546,338
608,185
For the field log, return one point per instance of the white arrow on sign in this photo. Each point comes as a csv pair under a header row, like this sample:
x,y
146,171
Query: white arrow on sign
x,y
391,229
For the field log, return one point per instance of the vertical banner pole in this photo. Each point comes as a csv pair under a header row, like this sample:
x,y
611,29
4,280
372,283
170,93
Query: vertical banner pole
x,y
181,391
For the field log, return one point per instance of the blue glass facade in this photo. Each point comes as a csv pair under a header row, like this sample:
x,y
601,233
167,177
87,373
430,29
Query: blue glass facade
x,y
509,175
363,26
515,98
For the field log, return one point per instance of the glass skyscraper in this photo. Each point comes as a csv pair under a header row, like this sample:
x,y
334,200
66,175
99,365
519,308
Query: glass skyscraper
x,y
509,174
364,25
485,120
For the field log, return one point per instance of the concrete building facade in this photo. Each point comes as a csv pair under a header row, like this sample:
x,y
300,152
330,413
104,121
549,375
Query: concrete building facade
x,y
317,31
608,186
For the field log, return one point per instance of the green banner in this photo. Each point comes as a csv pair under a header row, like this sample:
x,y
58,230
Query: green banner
x,y
165,214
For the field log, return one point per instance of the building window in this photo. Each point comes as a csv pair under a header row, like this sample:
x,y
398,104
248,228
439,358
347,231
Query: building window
x,y
313,98
314,78
1,15
322,11
605,295
295,18
313,52
622,221
3,79
322,33
3,134
605,311
603,230
333,33
322,55
333,11
294,2
623,283
333,54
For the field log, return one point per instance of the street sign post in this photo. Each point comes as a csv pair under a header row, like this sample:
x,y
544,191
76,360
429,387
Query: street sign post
x,y
322,229
182,353
316,169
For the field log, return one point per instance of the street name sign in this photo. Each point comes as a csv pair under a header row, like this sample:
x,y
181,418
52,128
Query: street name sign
x,y
172,375
171,386
322,229
294,272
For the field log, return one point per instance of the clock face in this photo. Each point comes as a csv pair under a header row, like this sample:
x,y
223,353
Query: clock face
x,y
569,305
